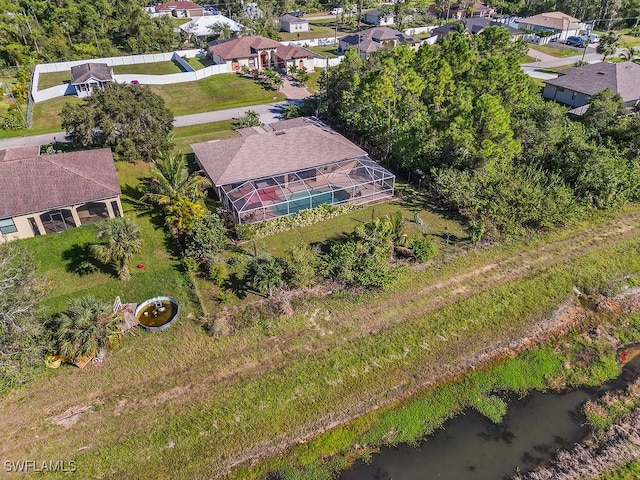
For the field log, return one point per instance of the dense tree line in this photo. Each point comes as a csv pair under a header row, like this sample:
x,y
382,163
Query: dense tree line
x,y
41,31
464,113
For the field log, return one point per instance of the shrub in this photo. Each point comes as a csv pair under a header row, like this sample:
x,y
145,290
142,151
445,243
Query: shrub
x,y
216,270
207,237
301,264
423,248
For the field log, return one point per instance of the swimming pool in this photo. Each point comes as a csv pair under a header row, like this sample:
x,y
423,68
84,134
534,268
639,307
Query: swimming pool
x,y
300,201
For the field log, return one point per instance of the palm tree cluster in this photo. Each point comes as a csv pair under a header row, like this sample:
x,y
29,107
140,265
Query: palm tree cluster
x,y
176,191
120,239
87,327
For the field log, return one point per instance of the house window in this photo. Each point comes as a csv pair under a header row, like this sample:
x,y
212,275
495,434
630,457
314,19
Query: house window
x,y
7,226
252,62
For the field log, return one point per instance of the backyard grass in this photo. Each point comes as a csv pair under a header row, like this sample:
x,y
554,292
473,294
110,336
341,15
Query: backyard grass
x,y
328,51
560,51
217,92
185,136
155,68
314,77
199,63
316,30
47,80
46,118
59,255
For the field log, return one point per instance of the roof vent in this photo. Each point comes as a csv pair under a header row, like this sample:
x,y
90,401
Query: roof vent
x,y
280,132
600,73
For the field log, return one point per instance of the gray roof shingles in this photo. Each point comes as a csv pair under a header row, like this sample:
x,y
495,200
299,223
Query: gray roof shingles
x,y
33,183
85,72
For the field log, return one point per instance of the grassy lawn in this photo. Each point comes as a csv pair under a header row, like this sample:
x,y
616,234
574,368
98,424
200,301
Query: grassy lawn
x,y
180,21
46,118
316,30
59,254
155,68
47,80
328,51
185,136
217,92
314,78
560,51
528,59
200,62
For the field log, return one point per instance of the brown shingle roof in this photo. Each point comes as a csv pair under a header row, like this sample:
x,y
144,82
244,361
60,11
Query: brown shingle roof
x,y
17,153
300,144
243,47
554,20
291,19
179,4
622,78
291,51
378,35
83,73
43,182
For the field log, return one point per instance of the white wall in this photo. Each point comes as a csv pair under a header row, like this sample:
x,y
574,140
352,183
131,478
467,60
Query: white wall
x,y
312,42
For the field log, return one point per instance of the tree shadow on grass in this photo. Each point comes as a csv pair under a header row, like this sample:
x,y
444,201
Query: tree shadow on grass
x,y
81,262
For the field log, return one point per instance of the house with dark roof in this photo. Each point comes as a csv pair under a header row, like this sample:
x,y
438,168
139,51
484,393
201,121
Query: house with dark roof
x,y
575,86
373,39
473,26
561,25
180,9
43,194
257,52
297,164
461,10
379,16
90,76
291,23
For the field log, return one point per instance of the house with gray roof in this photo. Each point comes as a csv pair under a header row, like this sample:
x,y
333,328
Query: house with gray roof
x,y
43,194
373,39
90,76
575,86
290,166
291,23
560,25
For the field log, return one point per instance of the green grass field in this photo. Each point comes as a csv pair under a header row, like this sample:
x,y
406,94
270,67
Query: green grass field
x,y
46,118
47,80
560,51
316,30
156,68
184,136
217,92
199,63
327,51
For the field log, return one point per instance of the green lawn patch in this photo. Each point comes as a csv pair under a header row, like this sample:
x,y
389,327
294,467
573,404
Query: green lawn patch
x,y
314,77
47,80
217,92
328,51
185,136
155,68
316,30
58,256
199,63
528,59
46,118
560,51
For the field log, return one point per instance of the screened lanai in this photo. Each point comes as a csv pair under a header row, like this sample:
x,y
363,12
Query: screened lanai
x,y
354,180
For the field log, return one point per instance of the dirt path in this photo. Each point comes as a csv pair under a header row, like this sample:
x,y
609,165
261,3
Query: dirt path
x,y
243,360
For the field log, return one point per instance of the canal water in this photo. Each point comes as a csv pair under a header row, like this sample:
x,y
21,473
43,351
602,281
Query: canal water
x,y
470,447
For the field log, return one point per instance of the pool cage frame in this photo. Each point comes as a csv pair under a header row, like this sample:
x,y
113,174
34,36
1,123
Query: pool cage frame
x,y
354,180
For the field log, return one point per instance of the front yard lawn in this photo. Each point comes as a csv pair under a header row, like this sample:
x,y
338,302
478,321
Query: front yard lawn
x,y
217,92
185,136
559,51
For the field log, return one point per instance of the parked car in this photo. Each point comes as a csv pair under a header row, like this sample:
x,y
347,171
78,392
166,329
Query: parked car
x,y
335,11
590,38
297,13
576,41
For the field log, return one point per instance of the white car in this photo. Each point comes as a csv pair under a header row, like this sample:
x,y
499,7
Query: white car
x,y
335,11
593,38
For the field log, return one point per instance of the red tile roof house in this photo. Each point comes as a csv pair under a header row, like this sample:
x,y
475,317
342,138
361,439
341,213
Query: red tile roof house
x,y
257,52
43,194
180,9
297,164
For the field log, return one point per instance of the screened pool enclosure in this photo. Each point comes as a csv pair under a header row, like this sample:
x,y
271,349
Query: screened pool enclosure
x,y
353,180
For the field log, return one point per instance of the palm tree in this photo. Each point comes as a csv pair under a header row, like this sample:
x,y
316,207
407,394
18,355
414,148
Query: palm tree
x,y
88,326
629,53
608,44
170,181
120,241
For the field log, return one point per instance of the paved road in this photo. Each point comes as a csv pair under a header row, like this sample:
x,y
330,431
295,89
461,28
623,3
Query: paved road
x,y
549,61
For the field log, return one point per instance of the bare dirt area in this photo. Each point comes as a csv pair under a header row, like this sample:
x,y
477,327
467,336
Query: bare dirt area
x,y
124,394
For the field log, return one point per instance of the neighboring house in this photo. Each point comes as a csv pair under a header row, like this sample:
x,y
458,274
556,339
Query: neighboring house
x,y
289,23
43,194
461,10
202,27
300,164
180,9
89,76
257,52
373,39
379,16
575,86
473,26
559,24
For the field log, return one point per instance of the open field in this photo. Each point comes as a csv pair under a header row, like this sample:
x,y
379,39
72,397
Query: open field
x,y
155,68
217,92
560,51
184,405
184,136
47,80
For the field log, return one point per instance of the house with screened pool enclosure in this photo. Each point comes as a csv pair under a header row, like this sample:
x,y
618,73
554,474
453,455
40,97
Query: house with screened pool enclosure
x,y
278,170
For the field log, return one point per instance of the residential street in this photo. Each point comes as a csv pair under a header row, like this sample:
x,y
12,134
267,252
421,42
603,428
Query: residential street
x,y
549,61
